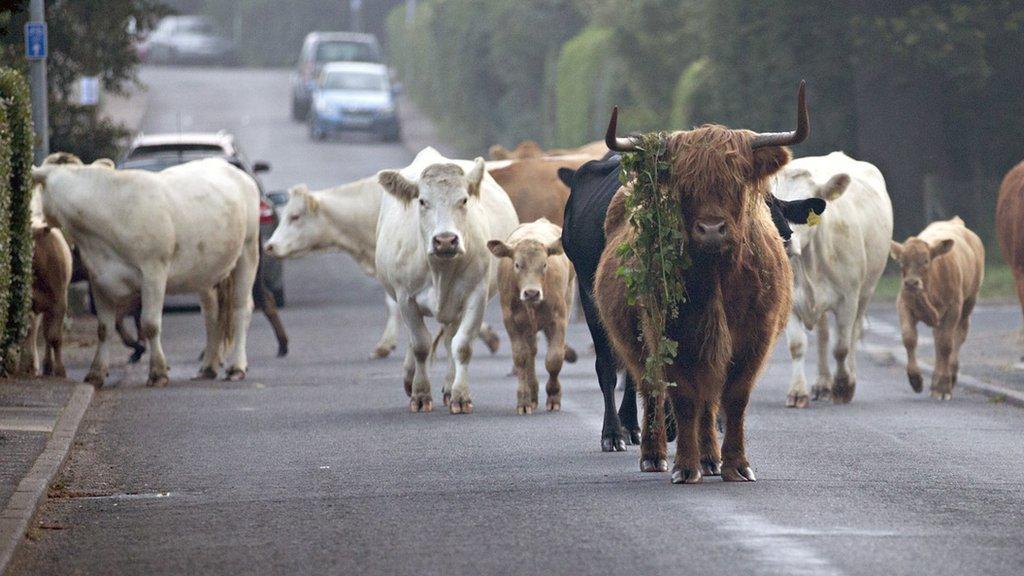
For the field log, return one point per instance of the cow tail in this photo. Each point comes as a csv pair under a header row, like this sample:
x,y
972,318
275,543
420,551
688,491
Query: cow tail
x,y
437,340
226,311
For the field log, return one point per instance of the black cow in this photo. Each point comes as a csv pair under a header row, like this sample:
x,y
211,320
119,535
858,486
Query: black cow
x,y
591,190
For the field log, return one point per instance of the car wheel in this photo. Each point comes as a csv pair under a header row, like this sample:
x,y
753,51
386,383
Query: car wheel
x,y
299,112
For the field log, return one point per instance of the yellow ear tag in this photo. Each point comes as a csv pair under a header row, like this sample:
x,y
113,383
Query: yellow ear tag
x,y
812,218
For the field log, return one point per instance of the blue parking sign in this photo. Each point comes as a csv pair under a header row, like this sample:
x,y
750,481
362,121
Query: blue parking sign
x,y
35,40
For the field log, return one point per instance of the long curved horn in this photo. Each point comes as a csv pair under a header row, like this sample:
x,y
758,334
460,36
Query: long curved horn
x,y
614,143
803,127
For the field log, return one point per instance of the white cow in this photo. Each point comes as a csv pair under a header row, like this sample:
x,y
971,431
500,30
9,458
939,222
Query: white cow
x,y
190,228
342,218
836,265
432,258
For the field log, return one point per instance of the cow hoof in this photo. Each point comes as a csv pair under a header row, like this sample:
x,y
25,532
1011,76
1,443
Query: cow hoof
x,y
461,407
554,404
570,355
916,382
798,401
522,410
942,395
157,380
738,474
95,378
634,437
137,352
650,465
382,351
842,391
614,442
421,405
235,375
206,373
821,392
685,476
711,467
447,398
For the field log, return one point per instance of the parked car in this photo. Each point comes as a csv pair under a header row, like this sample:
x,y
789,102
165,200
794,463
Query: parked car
x,y
155,152
322,48
187,40
354,96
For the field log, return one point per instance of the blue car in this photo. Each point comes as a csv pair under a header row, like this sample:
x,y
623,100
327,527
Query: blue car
x,y
351,96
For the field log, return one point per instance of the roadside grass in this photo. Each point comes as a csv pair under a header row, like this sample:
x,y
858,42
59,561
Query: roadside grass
x,y
998,286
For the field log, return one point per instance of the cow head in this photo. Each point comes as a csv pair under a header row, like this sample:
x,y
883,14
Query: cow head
x,y
529,264
442,194
301,228
915,256
720,176
797,189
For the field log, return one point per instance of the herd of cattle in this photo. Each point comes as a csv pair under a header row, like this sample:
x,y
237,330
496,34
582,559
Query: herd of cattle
x,y
775,245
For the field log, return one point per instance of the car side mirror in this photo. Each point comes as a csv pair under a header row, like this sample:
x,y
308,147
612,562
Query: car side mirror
x,y
261,166
278,197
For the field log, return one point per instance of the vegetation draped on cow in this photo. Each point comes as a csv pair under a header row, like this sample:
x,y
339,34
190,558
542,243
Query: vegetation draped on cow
x,y
15,98
655,259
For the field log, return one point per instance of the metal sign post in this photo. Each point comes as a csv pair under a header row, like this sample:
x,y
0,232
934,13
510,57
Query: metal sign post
x,y
35,51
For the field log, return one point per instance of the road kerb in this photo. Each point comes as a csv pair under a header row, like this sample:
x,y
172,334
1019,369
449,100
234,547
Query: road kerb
x,y
18,513
965,381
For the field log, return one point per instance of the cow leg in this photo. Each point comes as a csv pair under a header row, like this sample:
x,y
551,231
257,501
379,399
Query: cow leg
x,y
469,325
243,277
1018,277
945,341
797,337
735,397
106,317
822,389
908,329
627,410
153,286
211,359
524,352
613,435
846,324
419,345
688,408
388,340
409,368
710,453
274,317
29,362
555,333
489,337
53,326
961,337
653,444
449,379
134,343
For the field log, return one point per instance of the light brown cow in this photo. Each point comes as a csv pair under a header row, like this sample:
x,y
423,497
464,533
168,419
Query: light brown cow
x,y
530,149
739,292
534,187
51,275
535,280
1010,225
942,268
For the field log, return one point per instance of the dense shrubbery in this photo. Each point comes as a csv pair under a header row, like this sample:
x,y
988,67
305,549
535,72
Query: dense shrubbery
x,y
16,139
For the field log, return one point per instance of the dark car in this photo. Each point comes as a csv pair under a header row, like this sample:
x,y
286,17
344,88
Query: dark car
x,y
320,48
154,152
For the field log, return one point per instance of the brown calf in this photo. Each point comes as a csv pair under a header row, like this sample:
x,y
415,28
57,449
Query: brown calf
x,y
942,269
738,294
1010,225
51,275
535,283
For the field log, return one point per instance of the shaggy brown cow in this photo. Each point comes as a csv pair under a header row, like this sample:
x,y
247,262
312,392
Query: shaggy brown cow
x,y
534,187
535,281
942,268
530,149
51,275
739,292
1010,225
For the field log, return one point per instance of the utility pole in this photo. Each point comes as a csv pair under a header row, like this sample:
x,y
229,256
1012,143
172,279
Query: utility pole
x,y
356,9
35,50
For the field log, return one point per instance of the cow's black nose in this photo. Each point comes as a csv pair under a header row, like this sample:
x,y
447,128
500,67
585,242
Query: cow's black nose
x,y
709,232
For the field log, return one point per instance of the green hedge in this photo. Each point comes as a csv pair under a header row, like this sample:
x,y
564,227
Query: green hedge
x,y
579,67
5,196
15,95
690,81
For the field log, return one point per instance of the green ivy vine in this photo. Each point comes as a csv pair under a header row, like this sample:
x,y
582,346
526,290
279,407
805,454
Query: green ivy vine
x,y
653,260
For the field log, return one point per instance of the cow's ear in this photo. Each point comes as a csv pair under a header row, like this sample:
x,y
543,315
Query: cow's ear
x,y
298,190
769,160
555,248
834,188
895,250
566,175
398,186
312,204
476,176
941,248
40,173
499,248
798,211
498,152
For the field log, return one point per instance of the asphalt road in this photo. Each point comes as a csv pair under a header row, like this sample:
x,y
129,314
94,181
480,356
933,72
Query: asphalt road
x,y
313,464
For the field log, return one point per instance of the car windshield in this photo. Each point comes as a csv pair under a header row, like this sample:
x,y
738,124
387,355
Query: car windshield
x,y
354,81
345,52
